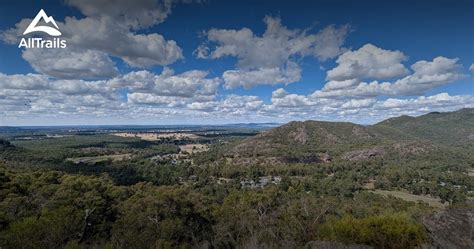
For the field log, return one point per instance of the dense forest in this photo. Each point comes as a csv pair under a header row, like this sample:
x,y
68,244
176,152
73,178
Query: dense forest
x,y
302,185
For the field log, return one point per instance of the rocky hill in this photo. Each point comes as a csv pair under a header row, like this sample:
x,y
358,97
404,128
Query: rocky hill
x,y
305,142
316,141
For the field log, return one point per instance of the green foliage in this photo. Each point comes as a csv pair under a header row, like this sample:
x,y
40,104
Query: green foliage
x,y
169,217
47,201
49,230
382,231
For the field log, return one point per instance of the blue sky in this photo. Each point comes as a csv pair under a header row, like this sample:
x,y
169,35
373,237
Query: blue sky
x,y
217,62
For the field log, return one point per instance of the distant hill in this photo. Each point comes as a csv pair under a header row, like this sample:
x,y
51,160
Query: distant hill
x,y
449,128
316,141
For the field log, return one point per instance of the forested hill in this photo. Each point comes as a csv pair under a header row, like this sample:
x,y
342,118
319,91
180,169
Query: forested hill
x,y
446,128
316,141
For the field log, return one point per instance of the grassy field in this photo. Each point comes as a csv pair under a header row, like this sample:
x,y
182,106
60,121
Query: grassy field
x,y
433,202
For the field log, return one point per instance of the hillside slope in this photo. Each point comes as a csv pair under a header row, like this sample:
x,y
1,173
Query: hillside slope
x,y
449,128
317,141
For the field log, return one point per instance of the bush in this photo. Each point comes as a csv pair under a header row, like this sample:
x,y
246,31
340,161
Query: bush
x,y
381,231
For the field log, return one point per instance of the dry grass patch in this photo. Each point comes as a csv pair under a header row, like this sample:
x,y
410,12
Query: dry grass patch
x,y
96,159
431,201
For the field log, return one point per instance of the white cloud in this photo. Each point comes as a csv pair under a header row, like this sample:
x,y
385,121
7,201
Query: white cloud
x,y
340,84
281,98
230,106
426,76
276,45
368,62
154,99
24,81
108,29
438,102
63,100
289,73
203,106
188,84
37,94
136,14
269,59
358,103
471,68
70,64
105,34
328,42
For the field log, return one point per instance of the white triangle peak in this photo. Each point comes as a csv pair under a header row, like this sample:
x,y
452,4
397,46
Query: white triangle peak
x,y
47,29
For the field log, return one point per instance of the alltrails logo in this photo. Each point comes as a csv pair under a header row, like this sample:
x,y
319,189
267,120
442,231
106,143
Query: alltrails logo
x,y
38,42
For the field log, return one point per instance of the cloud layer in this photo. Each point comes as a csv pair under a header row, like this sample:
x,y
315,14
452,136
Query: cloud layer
x,y
83,83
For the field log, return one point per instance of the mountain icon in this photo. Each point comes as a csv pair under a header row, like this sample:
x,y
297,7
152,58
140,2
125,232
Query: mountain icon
x,y
47,19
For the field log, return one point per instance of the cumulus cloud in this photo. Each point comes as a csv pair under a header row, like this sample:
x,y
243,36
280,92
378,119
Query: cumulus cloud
x,y
154,99
238,103
358,103
471,68
276,45
140,50
440,102
188,84
105,23
426,76
286,74
328,42
270,57
281,98
100,100
136,14
70,64
24,81
368,62
231,104
37,94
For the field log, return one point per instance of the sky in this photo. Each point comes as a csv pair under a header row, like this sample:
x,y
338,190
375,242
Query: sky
x,y
217,62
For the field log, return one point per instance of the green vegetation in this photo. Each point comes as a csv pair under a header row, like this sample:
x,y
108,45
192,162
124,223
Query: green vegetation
x,y
289,187
381,231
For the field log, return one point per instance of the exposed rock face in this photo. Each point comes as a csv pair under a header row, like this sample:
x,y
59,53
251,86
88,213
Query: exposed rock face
x,y
361,132
301,135
325,157
415,148
452,228
363,154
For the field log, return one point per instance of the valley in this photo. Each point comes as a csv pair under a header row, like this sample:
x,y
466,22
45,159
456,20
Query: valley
x,y
294,185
